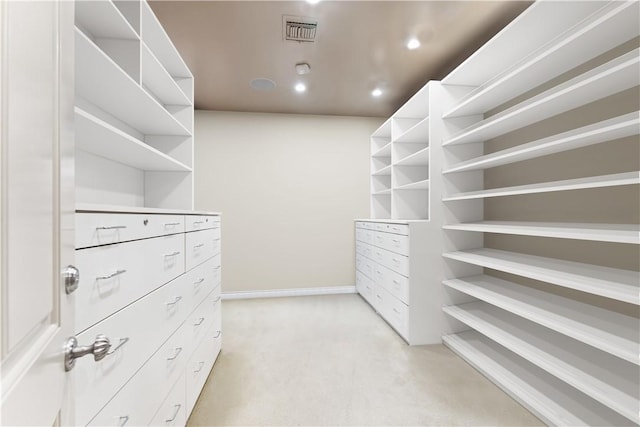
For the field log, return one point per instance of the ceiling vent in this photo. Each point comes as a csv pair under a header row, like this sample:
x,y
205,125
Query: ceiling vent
x,y
298,28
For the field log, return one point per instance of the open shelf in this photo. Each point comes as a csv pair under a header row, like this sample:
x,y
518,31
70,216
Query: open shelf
x,y
384,151
419,158
614,76
611,382
420,185
551,399
157,80
417,107
103,20
382,192
100,81
384,171
618,284
611,332
607,130
384,131
97,137
418,133
616,233
613,25
627,178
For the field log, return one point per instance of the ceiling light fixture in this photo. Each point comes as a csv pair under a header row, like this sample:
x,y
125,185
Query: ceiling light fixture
x,y
413,44
300,87
376,92
313,1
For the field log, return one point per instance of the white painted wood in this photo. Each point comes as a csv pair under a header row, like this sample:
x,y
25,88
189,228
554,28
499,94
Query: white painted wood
x,y
384,171
549,398
103,19
418,133
101,208
384,131
418,185
612,25
158,81
199,366
201,320
613,180
618,284
172,412
591,371
386,192
614,76
298,292
384,151
619,233
200,246
201,222
419,158
100,138
202,280
417,107
607,130
36,210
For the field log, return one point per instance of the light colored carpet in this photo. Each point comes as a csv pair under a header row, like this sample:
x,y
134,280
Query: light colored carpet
x,y
330,360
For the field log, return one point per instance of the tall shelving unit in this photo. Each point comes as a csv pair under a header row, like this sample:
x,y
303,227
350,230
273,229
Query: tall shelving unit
x,y
540,207
400,162
134,110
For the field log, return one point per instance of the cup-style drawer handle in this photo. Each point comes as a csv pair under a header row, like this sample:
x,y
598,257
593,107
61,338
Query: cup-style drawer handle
x,y
199,281
178,350
112,275
112,227
123,420
172,224
198,246
176,253
217,335
200,366
175,301
122,342
175,414
200,320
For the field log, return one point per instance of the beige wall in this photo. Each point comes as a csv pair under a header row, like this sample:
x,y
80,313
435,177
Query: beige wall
x,y
288,187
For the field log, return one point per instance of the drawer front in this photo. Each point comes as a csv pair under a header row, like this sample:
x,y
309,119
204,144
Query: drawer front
x,y
379,239
360,224
202,280
379,255
113,276
380,227
202,320
365,265
396,243
172,411
200,246
396,262
137,402
141,328
364,249
199,366
370,225
397,285
364,285
365,236
94,229
380,299
402,229
397,314
201,222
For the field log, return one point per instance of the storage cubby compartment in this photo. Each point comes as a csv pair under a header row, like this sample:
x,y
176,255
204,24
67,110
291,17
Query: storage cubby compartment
x,y
380,183
404,176
411,154
381,206
400,126
411,204
379,164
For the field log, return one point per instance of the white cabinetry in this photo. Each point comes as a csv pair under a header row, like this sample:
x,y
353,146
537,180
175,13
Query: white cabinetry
x,y
159,304
540,194
390,275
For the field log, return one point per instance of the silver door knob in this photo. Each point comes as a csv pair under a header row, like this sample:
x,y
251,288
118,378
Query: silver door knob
x,y
71,277
99,349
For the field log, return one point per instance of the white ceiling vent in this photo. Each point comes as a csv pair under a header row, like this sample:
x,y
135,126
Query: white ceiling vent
x,y
299,28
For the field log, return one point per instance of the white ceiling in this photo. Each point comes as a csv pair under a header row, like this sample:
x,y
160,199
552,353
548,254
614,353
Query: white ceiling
x,y
360,45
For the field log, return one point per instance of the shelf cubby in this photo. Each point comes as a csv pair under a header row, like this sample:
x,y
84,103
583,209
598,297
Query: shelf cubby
x,y
103,19
412,155
380,183
418,133
158,81
405,175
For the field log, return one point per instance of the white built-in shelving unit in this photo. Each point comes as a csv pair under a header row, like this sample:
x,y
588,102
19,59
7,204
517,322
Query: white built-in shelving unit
x,y
540,210
134,110
400,162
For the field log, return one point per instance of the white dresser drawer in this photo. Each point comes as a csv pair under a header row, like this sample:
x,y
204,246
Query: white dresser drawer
x,y
397,315
364,249
379,239
200,246
370,225
113,276
379,226
364,285
202,280
396,243
364,235
365,265
199,366
93,229
397,285
131,405
398,229
201,222
172,411
396,262
202,320
378,254
145,325
380,298
360,224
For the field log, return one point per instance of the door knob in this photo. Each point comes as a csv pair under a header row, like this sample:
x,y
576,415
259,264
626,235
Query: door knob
x,y
99,349
71,276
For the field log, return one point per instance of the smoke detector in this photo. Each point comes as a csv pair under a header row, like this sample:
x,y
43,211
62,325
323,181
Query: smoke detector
x,y
303,68
299,28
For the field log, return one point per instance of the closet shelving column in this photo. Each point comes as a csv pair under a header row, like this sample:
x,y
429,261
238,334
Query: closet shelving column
x,y
554,320
381,171
134,110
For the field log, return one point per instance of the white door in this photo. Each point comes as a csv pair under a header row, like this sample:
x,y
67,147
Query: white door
x,y
36,209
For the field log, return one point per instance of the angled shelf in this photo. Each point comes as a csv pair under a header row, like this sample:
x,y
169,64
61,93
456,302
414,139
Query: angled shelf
x,y
384,171
616,233
607,130
551,399
418,133
627,178
614,283
158,81
386,192
610,382
420,185
97,137
614,76
384,151
613,25
419,158
417,107
103,20
100,81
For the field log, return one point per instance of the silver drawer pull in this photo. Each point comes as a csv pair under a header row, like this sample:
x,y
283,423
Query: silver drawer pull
x,y
379,297
123,420
200,365
200,320
112,275
172,254
176,354
217,335
396,241
122,342
198,246
396,282
172,224
112,227
175,301
175,414
217,299
216,240
396,260
217,268
394,309
199,281
197,222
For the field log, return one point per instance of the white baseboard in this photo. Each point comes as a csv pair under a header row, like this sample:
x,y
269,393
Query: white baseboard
x,y
333,290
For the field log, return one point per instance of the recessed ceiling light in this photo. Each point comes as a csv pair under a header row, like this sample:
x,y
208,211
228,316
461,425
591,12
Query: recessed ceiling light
x,y
413,44
313,1
262,84
376,92
300,87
